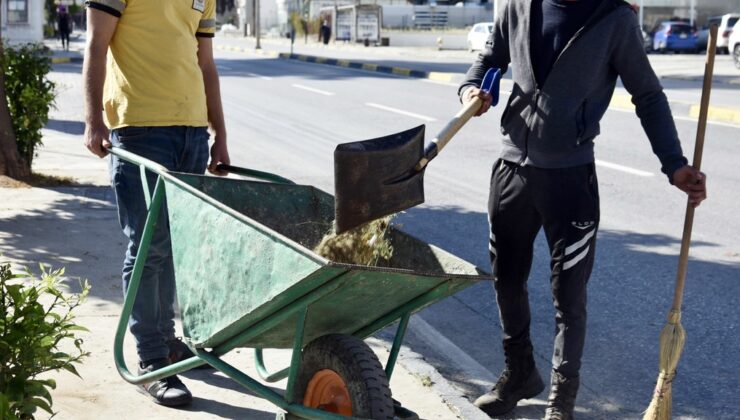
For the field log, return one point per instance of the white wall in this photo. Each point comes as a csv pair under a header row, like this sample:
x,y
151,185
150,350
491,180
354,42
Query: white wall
x,y
19,33
402,17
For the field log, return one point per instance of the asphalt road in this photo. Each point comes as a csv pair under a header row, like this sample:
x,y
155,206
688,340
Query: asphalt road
x,y
287,117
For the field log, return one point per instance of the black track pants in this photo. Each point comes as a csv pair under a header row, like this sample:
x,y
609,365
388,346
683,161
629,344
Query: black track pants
x,y
566,203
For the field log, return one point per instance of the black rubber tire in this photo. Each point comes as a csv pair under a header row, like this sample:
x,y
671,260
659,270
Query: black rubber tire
x,y
357,365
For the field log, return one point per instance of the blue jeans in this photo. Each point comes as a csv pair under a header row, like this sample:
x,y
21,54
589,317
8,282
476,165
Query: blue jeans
x,y
181,149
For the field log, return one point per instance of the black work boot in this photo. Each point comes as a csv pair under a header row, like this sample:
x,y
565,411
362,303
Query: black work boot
x,y
169,391
562,399
519,380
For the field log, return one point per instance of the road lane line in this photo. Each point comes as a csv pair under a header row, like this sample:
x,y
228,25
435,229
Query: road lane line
x,y
260,76
220,67
400,111
310,89
623,168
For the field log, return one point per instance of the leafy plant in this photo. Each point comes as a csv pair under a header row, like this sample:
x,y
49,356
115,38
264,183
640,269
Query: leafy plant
x,y
30,94
36,320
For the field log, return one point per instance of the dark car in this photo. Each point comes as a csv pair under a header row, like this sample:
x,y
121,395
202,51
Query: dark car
x,y
675,36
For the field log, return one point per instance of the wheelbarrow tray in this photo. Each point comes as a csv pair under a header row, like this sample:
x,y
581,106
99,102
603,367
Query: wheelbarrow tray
x,y
243,258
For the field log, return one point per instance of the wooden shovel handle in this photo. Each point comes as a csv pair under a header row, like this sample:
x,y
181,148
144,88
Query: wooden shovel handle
x,y
683,259
448,131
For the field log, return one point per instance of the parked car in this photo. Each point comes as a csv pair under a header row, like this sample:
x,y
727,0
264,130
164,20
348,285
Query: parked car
x,y
478,35
725,23
674,36
733,43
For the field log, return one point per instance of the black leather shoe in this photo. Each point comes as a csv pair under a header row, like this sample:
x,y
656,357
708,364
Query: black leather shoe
x,y
170,391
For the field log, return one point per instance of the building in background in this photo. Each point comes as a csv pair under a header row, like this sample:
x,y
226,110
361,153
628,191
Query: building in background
x,y
22,21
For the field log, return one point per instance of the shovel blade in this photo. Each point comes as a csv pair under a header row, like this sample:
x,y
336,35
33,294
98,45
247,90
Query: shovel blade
x,y
375,178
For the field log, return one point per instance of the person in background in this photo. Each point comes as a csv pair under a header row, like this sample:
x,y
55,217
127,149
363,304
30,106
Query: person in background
x,y
64,26
325,32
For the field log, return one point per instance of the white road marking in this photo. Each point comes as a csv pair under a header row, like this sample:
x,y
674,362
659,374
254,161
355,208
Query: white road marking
x,y
310,89
400,111
259,76
220,67
439,82
623,168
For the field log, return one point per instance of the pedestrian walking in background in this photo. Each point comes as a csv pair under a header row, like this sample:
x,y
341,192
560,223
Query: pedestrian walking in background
x,y
567,55
64,26
139,104
325,32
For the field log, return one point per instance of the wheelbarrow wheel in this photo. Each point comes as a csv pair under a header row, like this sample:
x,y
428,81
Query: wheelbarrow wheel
x,y
341,374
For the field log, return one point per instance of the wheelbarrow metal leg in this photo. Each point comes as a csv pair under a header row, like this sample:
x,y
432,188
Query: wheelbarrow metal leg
x,y
266,376
295,359
128,302
397,341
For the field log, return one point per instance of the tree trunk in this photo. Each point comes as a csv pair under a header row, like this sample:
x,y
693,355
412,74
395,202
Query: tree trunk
x,y
11,162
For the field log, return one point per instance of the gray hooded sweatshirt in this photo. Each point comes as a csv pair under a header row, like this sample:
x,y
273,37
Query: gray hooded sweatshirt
x,y
554,125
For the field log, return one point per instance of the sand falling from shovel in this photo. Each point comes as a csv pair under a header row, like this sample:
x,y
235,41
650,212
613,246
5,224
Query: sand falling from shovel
x,y
366,244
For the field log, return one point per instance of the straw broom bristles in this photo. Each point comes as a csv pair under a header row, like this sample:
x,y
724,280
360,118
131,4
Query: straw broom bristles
x,y
672,340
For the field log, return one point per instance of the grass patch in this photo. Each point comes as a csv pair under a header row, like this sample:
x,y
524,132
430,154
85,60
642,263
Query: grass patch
x,y
37,180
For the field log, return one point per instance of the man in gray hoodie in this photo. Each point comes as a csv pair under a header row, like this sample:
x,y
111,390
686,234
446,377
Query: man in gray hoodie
x,y
566,55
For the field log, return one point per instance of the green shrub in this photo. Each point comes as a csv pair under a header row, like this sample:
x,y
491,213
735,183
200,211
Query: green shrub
x,y
35,321
30,94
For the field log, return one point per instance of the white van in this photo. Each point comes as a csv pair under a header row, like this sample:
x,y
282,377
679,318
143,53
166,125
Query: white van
x,y
733,44
478,36
725,24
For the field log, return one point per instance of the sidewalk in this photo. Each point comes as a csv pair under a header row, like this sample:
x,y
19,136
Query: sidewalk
x,y
76,227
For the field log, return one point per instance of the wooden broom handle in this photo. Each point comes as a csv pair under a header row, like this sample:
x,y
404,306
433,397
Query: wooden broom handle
x,y
683,259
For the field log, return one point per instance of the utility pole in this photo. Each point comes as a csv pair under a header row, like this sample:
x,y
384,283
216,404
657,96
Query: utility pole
x,y
495,9
257,45
692,13
642,14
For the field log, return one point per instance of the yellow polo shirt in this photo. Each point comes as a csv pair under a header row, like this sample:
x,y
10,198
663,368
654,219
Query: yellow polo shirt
x,y
153,77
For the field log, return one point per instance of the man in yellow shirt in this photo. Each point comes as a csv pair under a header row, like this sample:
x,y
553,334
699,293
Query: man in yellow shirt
x,y
155,95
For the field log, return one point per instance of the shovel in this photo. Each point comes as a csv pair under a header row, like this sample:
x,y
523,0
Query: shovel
x,y
377,177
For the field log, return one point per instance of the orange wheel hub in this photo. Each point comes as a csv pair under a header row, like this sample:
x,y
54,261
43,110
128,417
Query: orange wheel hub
x,y
327,391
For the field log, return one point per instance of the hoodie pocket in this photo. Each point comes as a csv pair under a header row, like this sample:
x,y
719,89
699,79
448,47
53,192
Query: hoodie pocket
x,y
580,123
505,115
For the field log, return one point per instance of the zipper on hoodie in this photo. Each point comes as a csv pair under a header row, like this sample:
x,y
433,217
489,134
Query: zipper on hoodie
x,y
591,22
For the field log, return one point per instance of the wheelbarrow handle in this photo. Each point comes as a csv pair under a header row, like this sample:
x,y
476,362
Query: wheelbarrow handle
x,y
253,173
490,84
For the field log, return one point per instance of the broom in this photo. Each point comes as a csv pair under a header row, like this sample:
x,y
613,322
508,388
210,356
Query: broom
x,y
673,336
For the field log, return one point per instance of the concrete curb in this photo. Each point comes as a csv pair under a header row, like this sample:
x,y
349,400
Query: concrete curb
x,y
430,377
64,60
715,113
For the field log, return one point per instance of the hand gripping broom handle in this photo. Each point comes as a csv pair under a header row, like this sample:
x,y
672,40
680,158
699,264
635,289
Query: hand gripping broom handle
x,y
683,259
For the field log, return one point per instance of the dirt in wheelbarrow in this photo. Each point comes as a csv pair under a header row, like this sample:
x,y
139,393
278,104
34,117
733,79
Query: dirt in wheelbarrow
x,y
367,244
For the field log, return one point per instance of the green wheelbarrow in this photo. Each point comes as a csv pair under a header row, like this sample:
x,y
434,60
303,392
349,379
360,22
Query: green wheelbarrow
x,y
246,277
